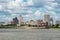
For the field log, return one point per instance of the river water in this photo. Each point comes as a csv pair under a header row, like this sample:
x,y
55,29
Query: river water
x,y
29,34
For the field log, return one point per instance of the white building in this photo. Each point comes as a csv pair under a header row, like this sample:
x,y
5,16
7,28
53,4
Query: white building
x,y
20,19
31,22
47,18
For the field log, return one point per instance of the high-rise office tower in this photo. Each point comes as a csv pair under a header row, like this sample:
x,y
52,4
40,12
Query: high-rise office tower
x,y
47,18
15,20
20,19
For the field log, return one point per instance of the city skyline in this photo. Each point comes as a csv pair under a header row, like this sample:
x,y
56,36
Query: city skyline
x,y
29,9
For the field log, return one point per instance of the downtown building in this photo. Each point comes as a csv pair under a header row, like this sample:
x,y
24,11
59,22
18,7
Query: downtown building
x,y
40,23
31,22
15,21
47,19
20,20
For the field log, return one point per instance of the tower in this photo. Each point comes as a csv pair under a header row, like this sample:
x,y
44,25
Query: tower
x,y
20,19
47,18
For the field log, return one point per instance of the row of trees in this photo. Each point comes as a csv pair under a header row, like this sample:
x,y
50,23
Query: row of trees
x,y
32,25
51,26
8,26
55,26
14,25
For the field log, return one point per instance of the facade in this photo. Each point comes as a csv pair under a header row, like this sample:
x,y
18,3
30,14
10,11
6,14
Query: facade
x,y
51,20
15,21
20,19
11,22
47,18
41,23
31,22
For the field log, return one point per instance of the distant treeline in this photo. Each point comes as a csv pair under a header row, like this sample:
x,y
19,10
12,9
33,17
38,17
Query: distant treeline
x,y
8,26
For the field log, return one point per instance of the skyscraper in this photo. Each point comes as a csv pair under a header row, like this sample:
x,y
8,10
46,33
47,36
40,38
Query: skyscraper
x,y
20,19
51,20
15,20
47,18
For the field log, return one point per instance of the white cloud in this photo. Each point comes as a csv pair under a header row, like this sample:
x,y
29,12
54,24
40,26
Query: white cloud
x,y
49,7
30,10
1,7
18,1
12,5
52,13
49,0
9,18
53,4
30,2
27,16
38,13
18,6
14,14
3,16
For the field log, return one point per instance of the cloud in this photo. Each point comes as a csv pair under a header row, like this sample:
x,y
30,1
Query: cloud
x,y
49,7
5,18
12,5
49,0
57,18
53,4
30,2
1,7
38,13
27,16
30,9
58,1
14,14
38,3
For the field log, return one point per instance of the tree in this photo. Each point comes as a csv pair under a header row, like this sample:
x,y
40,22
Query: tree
x,y
57,26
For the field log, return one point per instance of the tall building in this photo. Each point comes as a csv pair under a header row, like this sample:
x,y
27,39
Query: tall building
x,y
20,19
15,20
47,18
51,20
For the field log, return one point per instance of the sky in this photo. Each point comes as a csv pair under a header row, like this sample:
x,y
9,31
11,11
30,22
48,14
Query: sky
x,y
29,9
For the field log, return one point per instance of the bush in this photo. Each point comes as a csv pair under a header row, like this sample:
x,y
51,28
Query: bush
x,y
55,26
29,25
8,26
11,25
22,25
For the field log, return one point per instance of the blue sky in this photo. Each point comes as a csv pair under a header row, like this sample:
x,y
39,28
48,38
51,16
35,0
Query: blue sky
x,y
29,9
